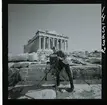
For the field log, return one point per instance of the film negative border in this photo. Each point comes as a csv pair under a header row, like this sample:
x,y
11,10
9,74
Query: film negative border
x,y
103,46
103,41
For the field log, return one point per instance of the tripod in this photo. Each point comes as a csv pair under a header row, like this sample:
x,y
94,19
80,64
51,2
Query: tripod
x,y
54,66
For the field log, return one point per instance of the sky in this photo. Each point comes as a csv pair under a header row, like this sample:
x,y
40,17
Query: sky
x,y
80,22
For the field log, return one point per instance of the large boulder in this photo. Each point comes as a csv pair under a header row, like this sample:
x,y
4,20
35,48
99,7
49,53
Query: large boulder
x,y
24,64
79,54
87,72
84,91
24,73
33,57
16,65
36,72
94,60
78,61
42,94
21,65
18,58
13,76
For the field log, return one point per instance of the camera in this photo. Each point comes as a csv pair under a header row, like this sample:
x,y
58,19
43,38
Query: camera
x,y
53,59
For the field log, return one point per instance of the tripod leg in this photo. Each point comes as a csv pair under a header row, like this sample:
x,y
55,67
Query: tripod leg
x,y
43,77
57,82
46,78
57,78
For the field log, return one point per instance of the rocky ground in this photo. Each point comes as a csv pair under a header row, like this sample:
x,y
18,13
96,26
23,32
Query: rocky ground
x,y
46,91
83,65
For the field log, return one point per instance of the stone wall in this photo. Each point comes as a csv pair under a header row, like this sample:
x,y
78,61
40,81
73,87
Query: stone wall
x,y
33,69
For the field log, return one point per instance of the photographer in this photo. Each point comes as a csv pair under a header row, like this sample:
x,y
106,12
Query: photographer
x,y
62,63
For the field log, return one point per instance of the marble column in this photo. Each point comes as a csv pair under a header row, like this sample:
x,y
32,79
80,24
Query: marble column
x,y
39,42
44,43
65,45
51,42
54,42
48,42
61,44
57,45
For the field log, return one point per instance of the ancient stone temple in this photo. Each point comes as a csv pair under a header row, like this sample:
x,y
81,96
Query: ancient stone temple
x,y
45,40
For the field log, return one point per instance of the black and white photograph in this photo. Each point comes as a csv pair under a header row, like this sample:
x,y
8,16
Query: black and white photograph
x,y
54,51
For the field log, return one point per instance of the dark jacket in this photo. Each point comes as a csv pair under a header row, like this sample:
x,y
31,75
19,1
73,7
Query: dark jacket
x,y
60,54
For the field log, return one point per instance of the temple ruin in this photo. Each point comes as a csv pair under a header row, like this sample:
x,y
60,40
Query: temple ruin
x,y
45,40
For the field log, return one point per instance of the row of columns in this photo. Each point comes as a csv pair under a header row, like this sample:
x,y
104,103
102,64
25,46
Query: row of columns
x,y
49,42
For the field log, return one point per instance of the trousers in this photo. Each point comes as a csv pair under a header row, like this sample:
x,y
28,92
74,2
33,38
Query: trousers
x,y
62,65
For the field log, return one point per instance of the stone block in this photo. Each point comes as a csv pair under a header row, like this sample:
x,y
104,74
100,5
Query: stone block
x,y
86,72
33,57
42,94
18,58
94,60
24,64
21,64
34,78
10,65
36,74
24,69
24,73
17,65
34,65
